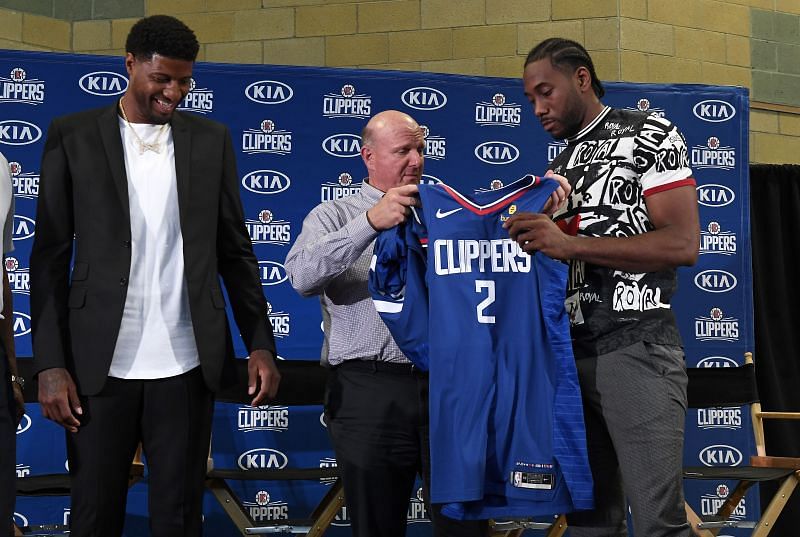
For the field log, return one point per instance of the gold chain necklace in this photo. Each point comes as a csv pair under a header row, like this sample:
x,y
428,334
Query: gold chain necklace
x,y
154,146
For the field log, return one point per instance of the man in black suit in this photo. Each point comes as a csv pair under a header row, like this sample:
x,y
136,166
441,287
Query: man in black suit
x,y
145,202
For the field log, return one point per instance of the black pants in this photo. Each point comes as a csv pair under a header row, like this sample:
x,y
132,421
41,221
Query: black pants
x,y
172,419
8,446
377,416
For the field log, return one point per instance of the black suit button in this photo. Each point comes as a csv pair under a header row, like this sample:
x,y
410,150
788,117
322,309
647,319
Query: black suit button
x,y
126,244
123,281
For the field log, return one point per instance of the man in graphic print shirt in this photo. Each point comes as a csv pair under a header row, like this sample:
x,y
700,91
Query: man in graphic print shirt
x,y
630,220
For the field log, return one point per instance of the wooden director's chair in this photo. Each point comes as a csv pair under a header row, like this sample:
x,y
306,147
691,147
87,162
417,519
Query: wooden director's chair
x,y
302,383
736,386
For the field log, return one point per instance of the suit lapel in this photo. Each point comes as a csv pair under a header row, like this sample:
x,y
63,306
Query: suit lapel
x,y
108,122
182,140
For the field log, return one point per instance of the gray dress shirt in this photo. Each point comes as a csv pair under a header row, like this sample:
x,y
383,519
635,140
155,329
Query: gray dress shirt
x,y
331,259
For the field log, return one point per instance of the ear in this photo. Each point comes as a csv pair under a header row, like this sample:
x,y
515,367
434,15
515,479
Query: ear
x,y
366,156
130,60
583,78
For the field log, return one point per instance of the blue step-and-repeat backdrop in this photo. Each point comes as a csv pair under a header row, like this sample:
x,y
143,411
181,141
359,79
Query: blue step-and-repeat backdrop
x,y
297,134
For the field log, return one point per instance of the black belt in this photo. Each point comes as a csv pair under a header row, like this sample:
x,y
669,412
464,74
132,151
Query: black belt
x,y
379,365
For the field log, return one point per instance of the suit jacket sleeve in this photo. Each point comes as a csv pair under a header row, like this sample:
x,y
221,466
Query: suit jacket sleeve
x,y
237,264
50,256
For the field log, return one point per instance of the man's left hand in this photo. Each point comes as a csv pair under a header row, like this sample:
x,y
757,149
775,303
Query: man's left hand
x,y
19,399
262,375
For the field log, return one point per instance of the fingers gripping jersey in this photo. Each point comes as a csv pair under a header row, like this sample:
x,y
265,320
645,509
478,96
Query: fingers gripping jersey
x,y
464,301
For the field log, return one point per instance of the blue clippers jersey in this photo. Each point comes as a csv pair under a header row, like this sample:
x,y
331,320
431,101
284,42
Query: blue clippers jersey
x,y
464,301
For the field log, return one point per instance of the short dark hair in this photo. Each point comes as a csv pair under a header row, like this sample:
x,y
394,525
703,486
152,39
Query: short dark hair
x,y
565,52
162,35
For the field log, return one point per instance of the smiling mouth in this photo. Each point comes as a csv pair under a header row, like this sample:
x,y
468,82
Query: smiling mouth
x,y
163,106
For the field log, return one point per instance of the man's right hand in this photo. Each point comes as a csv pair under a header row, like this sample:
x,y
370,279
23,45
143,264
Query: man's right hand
x,y
59,398
393,207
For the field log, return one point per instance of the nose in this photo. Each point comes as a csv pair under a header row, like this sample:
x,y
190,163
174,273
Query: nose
x,y
539,108
173,91
416,158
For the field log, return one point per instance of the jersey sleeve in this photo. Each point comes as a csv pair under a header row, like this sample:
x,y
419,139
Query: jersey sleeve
x,y
661,156
398,289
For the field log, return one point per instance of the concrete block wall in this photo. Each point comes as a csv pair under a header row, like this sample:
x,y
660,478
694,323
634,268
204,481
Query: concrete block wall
x,y
752,43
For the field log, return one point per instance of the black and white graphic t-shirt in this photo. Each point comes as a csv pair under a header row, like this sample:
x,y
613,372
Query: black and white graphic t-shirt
x,y
613,164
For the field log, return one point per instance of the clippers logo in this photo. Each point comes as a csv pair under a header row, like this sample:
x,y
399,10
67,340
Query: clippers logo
x,y
267,230
24,185
424,98
22,324
711,502
644,105
280,321
262,459
103,83
268,92
263,418
416,509
24,227
495,152
342,145
435,146
714,155
19,279
267,139
427,179
715,281
714,110
24,424
23,470
327,462
494,184
18,132
716,327
266,182
720,455
272,272
347,103
343,187
265,508
717,361
198,100
719,418
554,149
498,112
714,195
716,241
17,88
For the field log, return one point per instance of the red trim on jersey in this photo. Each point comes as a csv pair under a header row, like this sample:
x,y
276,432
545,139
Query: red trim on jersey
x,y
492,207
689,181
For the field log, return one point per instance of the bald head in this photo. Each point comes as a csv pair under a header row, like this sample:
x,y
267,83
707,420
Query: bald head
x,y
392,147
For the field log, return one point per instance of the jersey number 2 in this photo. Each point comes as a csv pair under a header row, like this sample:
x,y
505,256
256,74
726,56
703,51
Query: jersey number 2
x,y
488,285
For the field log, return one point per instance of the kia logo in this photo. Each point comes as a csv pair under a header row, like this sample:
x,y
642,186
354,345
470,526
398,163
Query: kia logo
x,y
495,152
715,281
268,92
24,424
720,455
18,132
262,459
266,182
342,145
714,195
24,227
717,361
22,324
103,83
714,110
272,272
424,98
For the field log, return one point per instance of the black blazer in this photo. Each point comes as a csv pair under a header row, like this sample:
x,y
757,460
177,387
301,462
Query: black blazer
x,y
83,216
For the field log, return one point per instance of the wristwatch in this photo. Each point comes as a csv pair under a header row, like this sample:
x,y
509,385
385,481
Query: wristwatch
x,y
19,380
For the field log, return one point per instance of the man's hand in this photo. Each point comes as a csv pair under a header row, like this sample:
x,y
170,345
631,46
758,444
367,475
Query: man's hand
x,y
537,232
19,399
262,375
559,196
393,207
59,398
